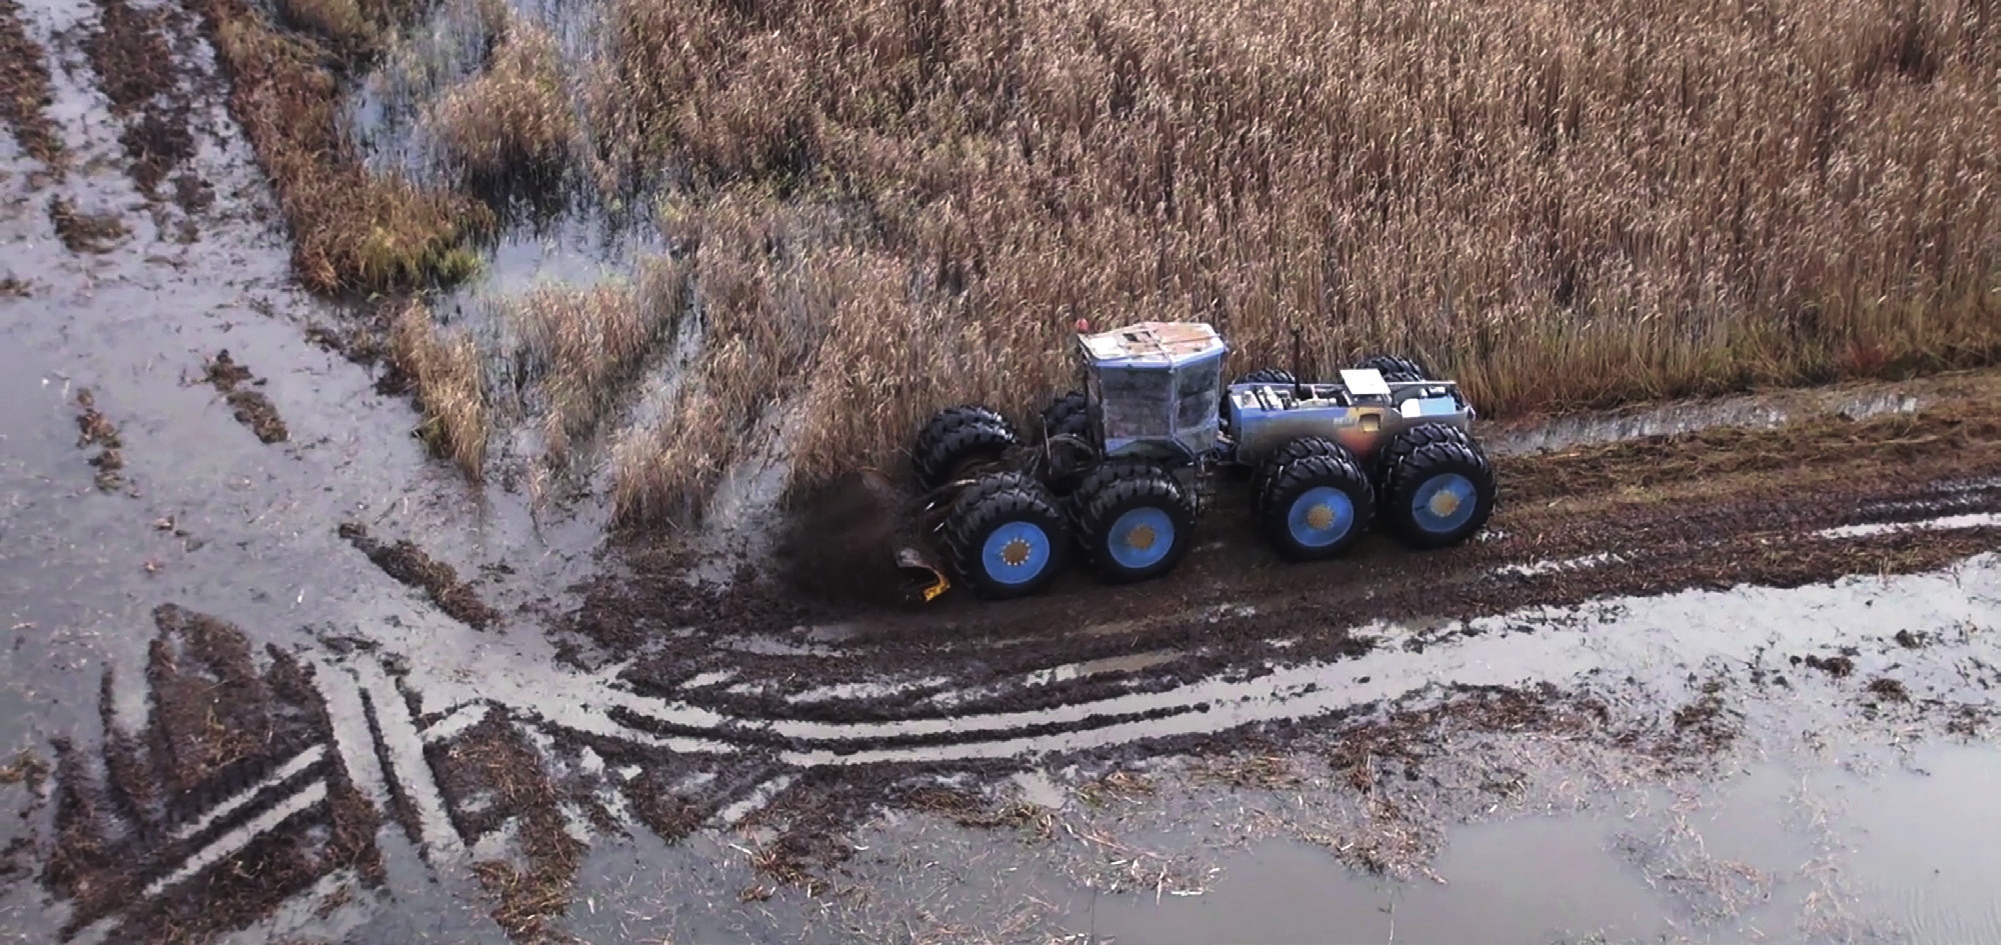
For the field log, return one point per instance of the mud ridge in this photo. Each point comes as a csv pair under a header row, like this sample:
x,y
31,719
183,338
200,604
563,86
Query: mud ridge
x,y
95,429
408,564
85,232
25,92
494,757
252,408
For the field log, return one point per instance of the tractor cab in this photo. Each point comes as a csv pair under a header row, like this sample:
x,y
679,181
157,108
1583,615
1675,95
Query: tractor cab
x,y
1154,389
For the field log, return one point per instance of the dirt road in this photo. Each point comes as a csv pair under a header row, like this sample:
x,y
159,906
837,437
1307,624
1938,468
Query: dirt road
x,y
275,676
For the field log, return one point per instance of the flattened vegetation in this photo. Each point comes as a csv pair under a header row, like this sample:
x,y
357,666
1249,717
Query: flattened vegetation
x,y
25,93
250,406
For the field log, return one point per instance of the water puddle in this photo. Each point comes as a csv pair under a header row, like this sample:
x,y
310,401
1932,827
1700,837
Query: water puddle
x,y
1758,412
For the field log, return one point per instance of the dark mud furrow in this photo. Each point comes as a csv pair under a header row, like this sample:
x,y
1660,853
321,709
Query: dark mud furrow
x,y
139,73
25,92
1750,557
225,746
410,565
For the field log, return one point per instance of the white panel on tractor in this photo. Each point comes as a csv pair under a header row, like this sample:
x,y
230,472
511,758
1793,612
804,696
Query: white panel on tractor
x,y
1365,382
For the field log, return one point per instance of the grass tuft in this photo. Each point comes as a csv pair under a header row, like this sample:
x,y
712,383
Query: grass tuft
x,y
352,231
586,344
449,380
514,119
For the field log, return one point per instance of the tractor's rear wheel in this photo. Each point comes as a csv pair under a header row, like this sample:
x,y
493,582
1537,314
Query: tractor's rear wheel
x,y
1067,415
1007,535
1290,451
955,438
1438,486
1135,520
1317,503
1395,369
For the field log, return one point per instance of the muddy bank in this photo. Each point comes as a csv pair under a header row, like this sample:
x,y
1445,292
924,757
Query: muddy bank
x,y
144,80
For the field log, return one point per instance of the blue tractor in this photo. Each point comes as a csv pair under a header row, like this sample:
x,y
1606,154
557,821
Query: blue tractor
x,y
1120,472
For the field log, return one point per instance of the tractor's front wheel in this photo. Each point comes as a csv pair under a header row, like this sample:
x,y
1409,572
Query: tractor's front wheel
x,y
1438,486
1008,536
955,438
1137,523
1317,501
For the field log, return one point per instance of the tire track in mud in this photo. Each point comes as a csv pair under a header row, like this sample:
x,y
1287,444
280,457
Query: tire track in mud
x,y
749,712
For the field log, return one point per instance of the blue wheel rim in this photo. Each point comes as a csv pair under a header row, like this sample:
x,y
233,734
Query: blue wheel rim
x,y
1444,503
1320,517
1016,553
1140,538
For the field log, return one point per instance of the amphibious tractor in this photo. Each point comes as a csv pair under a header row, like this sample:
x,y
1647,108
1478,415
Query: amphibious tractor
x,y
1120,471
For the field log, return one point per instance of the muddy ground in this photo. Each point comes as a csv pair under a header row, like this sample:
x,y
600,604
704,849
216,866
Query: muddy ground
x,y
276,676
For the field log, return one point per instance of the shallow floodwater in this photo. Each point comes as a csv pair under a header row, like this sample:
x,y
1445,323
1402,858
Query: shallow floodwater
x,y
1916,845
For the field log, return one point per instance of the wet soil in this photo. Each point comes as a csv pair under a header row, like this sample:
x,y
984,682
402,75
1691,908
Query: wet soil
x,y
408,563
251,407
24,90
493,777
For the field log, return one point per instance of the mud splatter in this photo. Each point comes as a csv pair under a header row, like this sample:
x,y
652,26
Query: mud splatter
x,y
251,407
25,93
85,232
13,288
408,564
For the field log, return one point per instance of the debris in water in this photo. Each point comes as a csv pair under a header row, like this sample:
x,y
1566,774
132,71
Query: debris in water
x,y
408,563
253,409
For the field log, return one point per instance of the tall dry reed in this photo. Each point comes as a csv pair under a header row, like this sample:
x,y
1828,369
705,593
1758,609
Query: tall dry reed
x,y
1558,205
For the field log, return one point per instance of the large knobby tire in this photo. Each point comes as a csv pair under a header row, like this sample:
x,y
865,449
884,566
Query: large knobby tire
x,y
1007,536
956,436
1289,451
1136,522
1396,370
1438,487
1316,506
1067,415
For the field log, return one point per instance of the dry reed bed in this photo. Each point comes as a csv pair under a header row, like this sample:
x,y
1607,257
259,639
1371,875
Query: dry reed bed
x,y
1560,206
352,231
585,346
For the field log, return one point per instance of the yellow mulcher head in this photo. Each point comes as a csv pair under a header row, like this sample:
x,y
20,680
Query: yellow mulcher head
x,y
923,577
